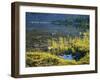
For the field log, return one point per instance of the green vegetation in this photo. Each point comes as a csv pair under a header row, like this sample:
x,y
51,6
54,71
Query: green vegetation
x,y
84,60
74,45
45,59
61,46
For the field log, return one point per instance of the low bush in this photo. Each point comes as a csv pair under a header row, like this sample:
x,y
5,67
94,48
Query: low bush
x,y
84,60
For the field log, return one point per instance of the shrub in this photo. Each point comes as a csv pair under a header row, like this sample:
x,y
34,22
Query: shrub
x,y
84,60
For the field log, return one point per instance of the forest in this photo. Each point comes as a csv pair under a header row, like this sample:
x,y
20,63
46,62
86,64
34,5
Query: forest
x,y
57,42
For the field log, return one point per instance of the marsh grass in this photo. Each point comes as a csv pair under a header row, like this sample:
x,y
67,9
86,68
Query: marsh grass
x,y
61,46
46,59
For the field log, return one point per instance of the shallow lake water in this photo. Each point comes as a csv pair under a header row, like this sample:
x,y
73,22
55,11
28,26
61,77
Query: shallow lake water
x,y
67,57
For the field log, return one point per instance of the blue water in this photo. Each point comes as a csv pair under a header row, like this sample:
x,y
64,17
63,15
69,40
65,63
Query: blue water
x,y
52,28
54,23
68,57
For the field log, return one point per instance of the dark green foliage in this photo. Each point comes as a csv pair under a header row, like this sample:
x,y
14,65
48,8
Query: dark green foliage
x,y
79,22
84,60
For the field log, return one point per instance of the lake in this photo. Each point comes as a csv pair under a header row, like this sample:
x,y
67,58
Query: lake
x,y
53,28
